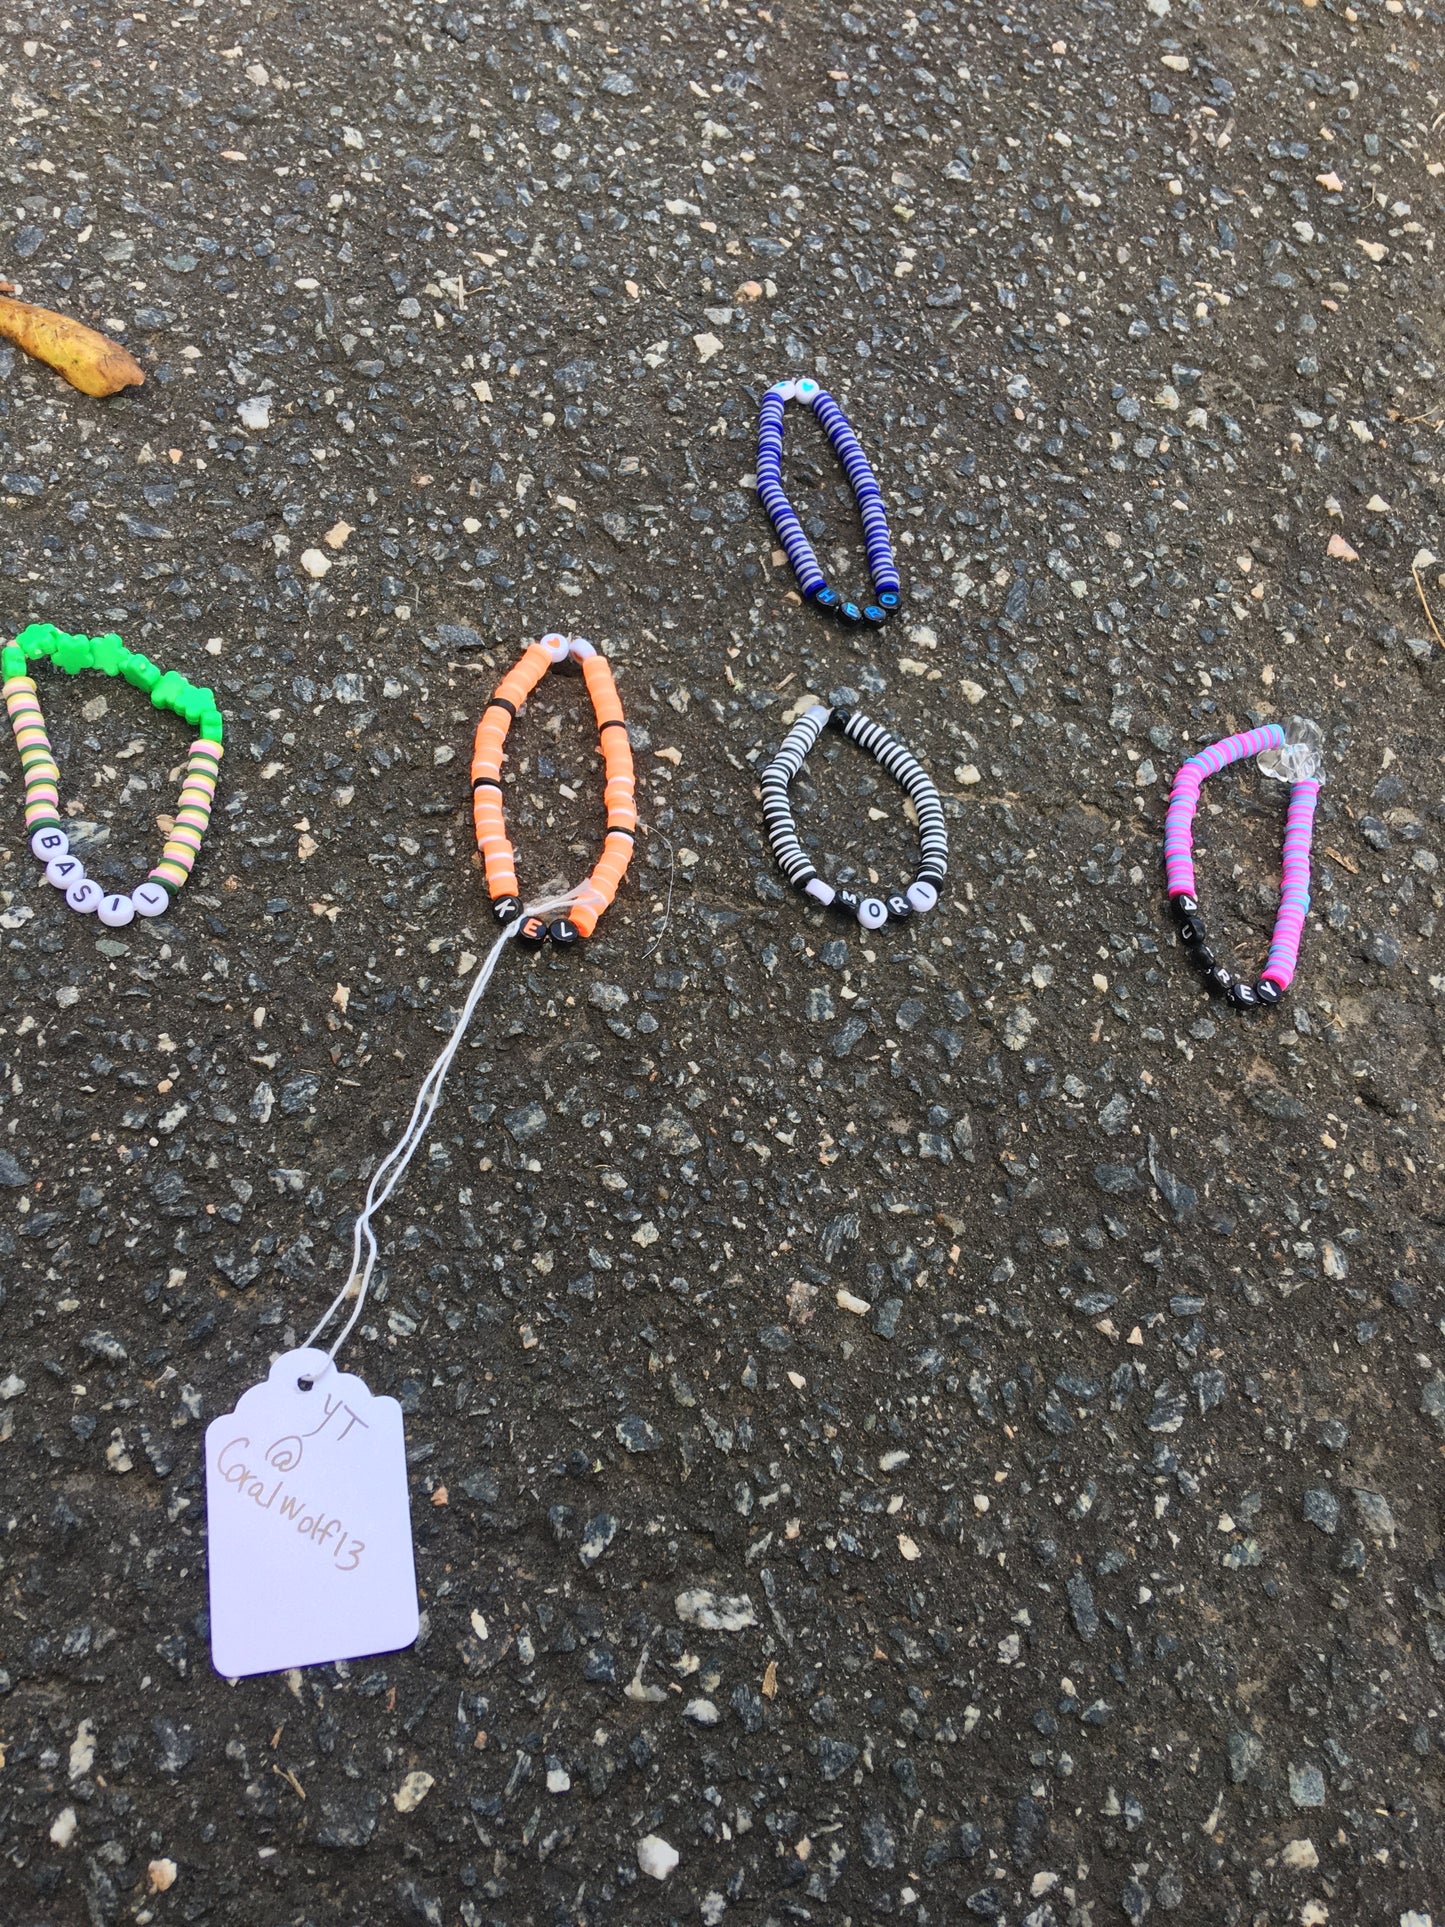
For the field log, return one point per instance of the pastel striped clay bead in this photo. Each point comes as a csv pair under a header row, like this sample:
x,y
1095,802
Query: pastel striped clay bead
x,y
1294,898
48,839
793,860
619,789
812,581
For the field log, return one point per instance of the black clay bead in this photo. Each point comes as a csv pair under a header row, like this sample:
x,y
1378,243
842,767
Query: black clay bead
x,y
899,907
1201,956
1185,906
564,931
1220,977
1192,931
847,900
1268,991
872,613
1242,994
533,931
850,612
507,909
827,598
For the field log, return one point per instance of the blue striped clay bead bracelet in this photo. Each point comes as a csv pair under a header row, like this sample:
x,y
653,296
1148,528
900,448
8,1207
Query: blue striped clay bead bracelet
x,y
905,769
869,497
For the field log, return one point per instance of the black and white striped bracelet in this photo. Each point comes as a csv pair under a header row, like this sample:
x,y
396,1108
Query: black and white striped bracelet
x,y
905,769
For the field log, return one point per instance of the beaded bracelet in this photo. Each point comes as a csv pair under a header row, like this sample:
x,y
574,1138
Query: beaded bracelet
x,y
48,840
871,912
866,492
1294,757
512,691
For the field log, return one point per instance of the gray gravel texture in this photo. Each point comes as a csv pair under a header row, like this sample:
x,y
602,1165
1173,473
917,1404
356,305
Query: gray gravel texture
x,y
1094,1571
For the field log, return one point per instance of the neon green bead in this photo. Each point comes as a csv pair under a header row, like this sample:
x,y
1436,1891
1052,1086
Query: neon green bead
x,y
212,728
107,653
141,672
72,654
12,661
39,639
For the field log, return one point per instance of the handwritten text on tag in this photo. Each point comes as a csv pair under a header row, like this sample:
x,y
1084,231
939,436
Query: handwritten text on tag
x,y
308,1525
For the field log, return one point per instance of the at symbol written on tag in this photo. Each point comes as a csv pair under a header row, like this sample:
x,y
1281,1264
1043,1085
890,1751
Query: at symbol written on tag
x,y
308,1524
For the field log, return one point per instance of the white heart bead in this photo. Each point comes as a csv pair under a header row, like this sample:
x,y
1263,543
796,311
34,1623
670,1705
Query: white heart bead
x,y
581,649
805,388
49,843
872,913
84,896
556,647
116,911
64,871
921,895
151,899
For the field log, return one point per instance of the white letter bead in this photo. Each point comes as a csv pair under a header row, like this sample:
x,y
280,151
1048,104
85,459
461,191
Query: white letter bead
x,y
820,891
116,911
872,913
921,895
64,871
49,843
84,896
151,899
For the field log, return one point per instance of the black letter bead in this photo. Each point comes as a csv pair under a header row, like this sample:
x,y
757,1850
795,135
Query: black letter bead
x,y
1192,931
898,908
532,932
1185,906
507,909
846,900
872,613
1221,977
1201,956
1268,991
564,931
827,598
850,613
1242,994
839,719
888,599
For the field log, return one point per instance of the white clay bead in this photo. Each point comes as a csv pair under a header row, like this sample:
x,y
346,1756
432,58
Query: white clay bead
x,y
84,896
116,911
872,913
556,647
151,899
49,843
64,871
820,891
921,895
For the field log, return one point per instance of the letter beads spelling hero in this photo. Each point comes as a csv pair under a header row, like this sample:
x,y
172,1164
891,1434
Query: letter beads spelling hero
x,y
1295,758
512,691
869,497
906,770
48,840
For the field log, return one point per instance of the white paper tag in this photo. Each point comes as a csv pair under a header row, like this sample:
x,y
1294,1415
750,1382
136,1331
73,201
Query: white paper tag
x,y
308,1525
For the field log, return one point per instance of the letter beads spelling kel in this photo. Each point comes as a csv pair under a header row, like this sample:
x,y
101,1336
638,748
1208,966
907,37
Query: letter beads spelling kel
x,y
1294,757
619,794
906,771
48,840
866,492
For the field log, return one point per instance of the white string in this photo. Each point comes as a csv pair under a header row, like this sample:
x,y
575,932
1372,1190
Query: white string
x,y
389,1172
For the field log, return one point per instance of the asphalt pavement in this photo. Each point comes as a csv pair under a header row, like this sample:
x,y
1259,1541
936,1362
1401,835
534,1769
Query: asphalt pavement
x,y
933,1425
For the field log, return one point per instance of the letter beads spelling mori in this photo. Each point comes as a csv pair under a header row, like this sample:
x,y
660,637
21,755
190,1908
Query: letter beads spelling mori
x,y
905,769
48,840
866,492
619,793
1295,757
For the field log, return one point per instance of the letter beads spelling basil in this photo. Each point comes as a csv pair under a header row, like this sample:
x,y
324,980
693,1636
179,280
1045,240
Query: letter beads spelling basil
x,y
871,912
1293,757
869,497
512,691
48,839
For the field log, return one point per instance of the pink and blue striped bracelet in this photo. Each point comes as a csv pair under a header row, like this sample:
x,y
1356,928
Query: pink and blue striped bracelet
x,y
1294,895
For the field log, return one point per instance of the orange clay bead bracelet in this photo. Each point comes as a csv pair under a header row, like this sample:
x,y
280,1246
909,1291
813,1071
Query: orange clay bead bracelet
x,y
593,896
